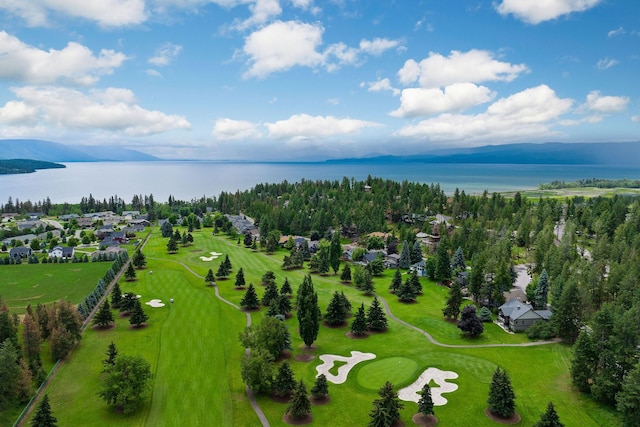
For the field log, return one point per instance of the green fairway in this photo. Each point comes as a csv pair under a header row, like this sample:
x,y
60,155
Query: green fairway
x,y
195,354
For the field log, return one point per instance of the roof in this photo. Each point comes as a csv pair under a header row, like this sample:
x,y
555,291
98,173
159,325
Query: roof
x,y
514,308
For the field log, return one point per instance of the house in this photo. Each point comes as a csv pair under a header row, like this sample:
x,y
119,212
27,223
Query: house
x,y
107,254
30,224
85,222
69,217
420,268
20,252
25,238
392,261
61,252
142,222
518,316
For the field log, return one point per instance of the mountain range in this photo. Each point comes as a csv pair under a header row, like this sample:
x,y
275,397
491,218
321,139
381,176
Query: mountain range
x,y
54,152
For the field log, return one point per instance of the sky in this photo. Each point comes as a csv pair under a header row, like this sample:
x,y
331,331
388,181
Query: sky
x,y
314,80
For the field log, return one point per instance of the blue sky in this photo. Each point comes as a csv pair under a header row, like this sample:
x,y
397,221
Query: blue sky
x,y
311,80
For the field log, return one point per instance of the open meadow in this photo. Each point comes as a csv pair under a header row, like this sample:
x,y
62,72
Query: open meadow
x,y
192,345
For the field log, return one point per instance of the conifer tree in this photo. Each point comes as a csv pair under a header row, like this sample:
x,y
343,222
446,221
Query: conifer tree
x,y
227,264
299,406
396,282
308,312
406,292
138,316
139,260
112,353
501,396
346,273
549,418
44,416
416,252
270,293
335,252
542,291
250,299
367,284
425,404
458,262
104,316
359,324
284,383
454,302
335,312
284,304
209,278
116,296
386,409
376,319
130,274
286,288
240,282
405,256
320,388
346,304
172,245
222,271
414,280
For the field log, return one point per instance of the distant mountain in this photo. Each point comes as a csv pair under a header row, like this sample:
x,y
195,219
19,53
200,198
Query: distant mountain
x,y
14,166
55,152
609,153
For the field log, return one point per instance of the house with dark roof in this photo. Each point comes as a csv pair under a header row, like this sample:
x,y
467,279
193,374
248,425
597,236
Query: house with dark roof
x,y
518,316
65,252
20,252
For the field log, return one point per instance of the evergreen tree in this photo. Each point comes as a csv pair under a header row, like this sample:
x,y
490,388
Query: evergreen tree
x,y
501,396
270,294
414,280
250,299
112,353
210,278
227,264
359,324
308,312
550,418
286,288
346,304
416,252
485,315
139,260
376,319
320,388
166,229
567,313
367,284
542,291
405,256
406,292
335,252
628,398
346,273
387,408
138,316
240,282
222,271
116,296
44,416
130,274
284,304
469,322
425,404
396,282
458,262
335,312
284,383
172,245
9,372
454,301
584,362
268,278
443,263
299,406
104,316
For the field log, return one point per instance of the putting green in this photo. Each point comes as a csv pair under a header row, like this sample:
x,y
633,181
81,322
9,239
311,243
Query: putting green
x,y
397,370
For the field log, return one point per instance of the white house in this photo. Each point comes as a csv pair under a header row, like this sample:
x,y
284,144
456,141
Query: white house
x,y
61,252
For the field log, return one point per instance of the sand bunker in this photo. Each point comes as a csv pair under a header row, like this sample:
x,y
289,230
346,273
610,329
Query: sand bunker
x,y
410,393
329,359
155,303
214,255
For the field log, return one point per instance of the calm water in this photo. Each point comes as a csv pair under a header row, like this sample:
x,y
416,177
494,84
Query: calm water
x,y
188,180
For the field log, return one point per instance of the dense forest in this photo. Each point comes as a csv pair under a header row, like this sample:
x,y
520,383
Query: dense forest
x,y
584,253
13,166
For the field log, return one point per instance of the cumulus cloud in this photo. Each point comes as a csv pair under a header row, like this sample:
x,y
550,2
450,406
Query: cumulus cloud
x,y
270,50
537,11
618,31
416,102
524,115
112,109
227,130
75,63
605,104
261,12
166,53
382,85
474,66
107,13
606,63
304,126
16,113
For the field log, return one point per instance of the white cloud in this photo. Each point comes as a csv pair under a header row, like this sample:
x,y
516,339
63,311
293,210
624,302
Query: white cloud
x,y
108,13
529,114
474,66
165,54
635,119
270,49
536,11
383,85
112,109
75,63
605,104
618,31
153,73
227,130
261,12
16,113
416,102
606,63
303,126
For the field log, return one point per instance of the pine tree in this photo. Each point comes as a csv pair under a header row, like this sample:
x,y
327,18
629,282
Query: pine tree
x,y
346,274
628,398
376,319
443,263
286,288
112,353
270,293
335,252
367,285
172,245
458,262
210,278
222,271
386,410
116,296
584,362
299,406
542,291
284,383
425,404
139,260
320,388
308,312
406,292
227,264
335,312
501,396
454,301
43,416
346,304
130,274
284,304
414,280
138,316
396,282
104,316
416,252
240,282
250,299
405,256
359,324
550,418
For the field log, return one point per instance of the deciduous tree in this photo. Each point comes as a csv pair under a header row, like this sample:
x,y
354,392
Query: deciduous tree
x,y
469,322
126,383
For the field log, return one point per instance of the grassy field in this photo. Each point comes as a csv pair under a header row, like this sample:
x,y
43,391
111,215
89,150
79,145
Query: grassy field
x,y
195,354
25,283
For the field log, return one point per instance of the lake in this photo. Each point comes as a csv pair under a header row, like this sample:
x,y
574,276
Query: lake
x,y
186,180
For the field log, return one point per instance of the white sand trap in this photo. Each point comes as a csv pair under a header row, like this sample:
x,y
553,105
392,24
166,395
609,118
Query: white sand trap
x,y
410,393
208,258
155,303
329,359
215,254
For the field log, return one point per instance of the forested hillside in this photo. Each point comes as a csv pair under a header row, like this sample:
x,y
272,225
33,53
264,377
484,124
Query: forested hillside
x,y
25,166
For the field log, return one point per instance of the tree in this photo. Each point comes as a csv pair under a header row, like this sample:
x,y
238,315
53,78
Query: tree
x,y
501,396
396,282
406,292
112,353
138,316
308,312
166,229
567,313
414,281
346,274
286,288
376,319
283,304
209,278
550,418
284,382
223,271
416,252
469,322
31,341
130,274
250,299
486,316
425,404
116,296
405,256
386,410
128,301
172,245
335,252
300,406
270,293
367,283
320,388
459,262
542,291
257,370
227,264
268,278
454,301
104,316
359,324
628,398
126,383
9,372
240,282
43,416
248,240
443,263
336,311
270,335
139,260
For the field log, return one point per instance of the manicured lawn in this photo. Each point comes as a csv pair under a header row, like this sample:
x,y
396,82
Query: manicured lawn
x,y
195,354
25,283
